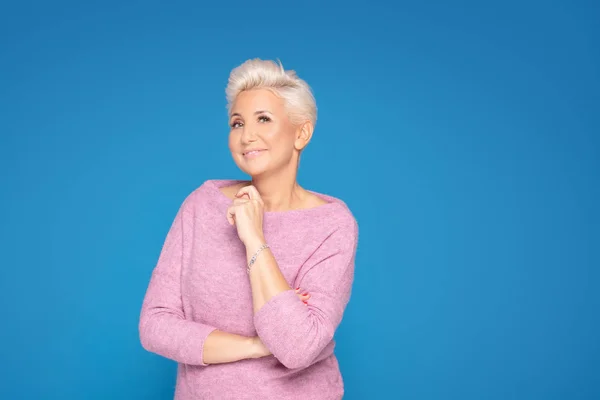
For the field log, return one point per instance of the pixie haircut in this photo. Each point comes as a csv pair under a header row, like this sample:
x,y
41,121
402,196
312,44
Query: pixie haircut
x,y
266,74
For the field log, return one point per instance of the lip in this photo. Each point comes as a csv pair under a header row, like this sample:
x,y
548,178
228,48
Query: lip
x,y
254,151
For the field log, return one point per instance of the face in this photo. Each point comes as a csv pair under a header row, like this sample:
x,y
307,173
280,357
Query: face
x,y
262,138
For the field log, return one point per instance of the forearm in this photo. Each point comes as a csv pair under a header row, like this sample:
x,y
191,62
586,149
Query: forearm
x,y
224,347
298,335
165,332
266,279
286,325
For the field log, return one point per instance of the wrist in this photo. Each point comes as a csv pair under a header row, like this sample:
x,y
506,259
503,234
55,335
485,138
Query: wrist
x,y
254,347
251,346
253,244
257,348
252,256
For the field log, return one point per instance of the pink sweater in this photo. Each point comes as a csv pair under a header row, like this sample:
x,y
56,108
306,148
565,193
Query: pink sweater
x,y
200,284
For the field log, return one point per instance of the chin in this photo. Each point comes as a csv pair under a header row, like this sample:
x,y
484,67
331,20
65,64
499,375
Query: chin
x,y
253,169
254,172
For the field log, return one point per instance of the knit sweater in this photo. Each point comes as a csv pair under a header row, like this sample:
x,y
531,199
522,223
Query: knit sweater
x,y
200,284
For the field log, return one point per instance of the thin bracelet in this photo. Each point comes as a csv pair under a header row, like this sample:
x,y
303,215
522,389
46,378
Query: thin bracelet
x,y
253,259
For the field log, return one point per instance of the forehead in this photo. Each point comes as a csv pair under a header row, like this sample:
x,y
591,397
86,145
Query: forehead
x,y
250,101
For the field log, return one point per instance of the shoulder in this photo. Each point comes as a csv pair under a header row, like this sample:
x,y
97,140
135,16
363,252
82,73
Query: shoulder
x,y
347,226
335,217
206,194
335,229
346,219
199,192
336,210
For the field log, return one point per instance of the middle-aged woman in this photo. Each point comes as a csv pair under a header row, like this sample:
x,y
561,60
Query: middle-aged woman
x,y
227,299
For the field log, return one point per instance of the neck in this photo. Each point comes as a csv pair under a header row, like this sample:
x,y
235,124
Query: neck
x,y
280,191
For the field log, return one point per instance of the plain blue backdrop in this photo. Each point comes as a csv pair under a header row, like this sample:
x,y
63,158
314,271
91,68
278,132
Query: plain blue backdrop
x,y
463,135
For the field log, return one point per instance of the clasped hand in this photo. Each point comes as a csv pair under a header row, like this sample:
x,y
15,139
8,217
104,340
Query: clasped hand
x,y
246,213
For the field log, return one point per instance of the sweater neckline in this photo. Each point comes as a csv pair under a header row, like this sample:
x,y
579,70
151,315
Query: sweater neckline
x,y
215,186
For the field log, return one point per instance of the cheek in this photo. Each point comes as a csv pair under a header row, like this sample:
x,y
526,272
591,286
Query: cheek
x,y
284,148
280,136
231,141
271,133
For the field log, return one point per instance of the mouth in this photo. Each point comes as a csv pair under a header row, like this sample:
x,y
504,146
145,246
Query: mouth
x,y
253,153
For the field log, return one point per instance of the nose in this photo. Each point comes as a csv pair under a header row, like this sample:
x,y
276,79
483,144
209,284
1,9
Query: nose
x,y
248,135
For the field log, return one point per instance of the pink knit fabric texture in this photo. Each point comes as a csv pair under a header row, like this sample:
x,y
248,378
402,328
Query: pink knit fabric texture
x,y
200,284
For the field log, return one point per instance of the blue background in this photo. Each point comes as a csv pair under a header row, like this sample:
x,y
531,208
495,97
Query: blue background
x,y
463,136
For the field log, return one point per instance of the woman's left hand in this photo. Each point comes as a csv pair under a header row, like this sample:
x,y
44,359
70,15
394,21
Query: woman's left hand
x,y
246,213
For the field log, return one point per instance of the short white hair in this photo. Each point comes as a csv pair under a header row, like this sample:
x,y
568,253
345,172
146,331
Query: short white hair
x,y
266,74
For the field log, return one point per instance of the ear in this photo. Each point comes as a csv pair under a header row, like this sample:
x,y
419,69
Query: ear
x,y
303,135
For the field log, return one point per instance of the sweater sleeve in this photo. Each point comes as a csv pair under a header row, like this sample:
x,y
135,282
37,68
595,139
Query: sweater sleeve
x,y
296,334
163,328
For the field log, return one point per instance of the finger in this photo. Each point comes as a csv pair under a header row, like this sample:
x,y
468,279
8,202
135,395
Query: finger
x,y
240,201
250,191
304,300
302,296
231,215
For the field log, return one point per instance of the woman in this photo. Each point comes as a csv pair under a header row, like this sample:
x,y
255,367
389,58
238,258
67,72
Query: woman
x,y
227,299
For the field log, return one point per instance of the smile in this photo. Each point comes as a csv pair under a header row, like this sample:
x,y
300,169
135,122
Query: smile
x,y
253,153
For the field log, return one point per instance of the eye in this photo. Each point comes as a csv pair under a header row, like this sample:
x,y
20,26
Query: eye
x,y
236,124
264,118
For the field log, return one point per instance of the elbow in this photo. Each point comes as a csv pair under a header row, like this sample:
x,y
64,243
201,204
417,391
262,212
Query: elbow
x,y
302,353
295,361
143,335
296,336
147,340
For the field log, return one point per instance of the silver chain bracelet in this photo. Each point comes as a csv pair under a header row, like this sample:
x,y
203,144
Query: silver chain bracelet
x,y
253,259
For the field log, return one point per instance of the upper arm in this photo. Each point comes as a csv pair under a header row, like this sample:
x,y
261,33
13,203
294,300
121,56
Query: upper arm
x,y
328,275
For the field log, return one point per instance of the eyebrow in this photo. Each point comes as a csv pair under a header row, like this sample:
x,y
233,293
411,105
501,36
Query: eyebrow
x,y
255,113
